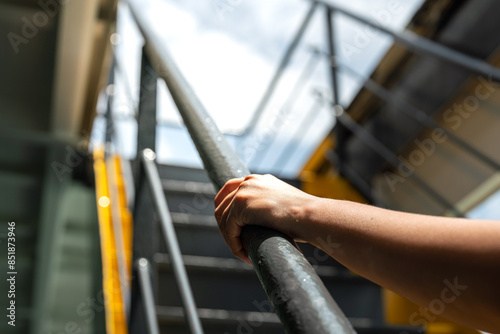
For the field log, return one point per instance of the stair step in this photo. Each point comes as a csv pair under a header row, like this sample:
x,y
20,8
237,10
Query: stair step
x,y
188,187
199,235
215,264
234,321
205,263
191,203
195,221
175,315
171,318
224,283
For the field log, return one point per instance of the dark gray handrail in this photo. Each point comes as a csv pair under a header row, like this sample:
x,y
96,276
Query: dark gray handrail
x,y
191,313
300,299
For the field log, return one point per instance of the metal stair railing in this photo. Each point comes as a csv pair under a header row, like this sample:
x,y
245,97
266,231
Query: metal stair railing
x,y
421,45
413,42
154,182
298,295
144,291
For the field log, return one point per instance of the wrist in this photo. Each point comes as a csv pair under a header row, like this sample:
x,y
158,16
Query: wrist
x,y
308,219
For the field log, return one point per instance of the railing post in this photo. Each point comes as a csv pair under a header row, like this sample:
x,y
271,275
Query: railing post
x,y
333,63
340,132
174,251
145,227
426,47
146,118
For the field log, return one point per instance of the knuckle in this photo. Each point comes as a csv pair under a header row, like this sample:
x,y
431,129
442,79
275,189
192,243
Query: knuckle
x,y
241,197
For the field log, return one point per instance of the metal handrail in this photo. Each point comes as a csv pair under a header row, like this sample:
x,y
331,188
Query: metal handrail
x,y
191,313
423,46
298,295
417,44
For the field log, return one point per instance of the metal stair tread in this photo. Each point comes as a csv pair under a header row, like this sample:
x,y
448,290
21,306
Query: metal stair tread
x,y
192,220
175,315
189,187
171,314
229,265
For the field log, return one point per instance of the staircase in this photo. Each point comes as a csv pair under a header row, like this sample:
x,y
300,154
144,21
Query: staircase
x,y
228,294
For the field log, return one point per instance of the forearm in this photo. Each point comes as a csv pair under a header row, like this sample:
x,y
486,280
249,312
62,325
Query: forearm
x,y
414,255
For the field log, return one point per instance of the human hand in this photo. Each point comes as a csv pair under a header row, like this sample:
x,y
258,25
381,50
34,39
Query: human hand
x,y
260,200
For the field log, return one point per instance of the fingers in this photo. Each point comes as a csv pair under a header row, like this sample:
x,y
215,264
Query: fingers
x,y
223,204
228,188
230,225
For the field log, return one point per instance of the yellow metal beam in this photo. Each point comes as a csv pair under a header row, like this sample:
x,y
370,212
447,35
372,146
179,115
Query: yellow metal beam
x,y
115,311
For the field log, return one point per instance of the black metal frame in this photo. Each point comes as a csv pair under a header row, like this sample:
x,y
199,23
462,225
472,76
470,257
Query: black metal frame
x,y
160,203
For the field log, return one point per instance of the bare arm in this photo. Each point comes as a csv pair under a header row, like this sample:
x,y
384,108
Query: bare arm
x,y
423,258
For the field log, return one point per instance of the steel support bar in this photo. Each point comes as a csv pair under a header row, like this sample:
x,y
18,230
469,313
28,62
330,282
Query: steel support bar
x,y
392,159
298,295
146,118
333,63
174,251
145,244
146,291
279,72
145,237
420,116
426,47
